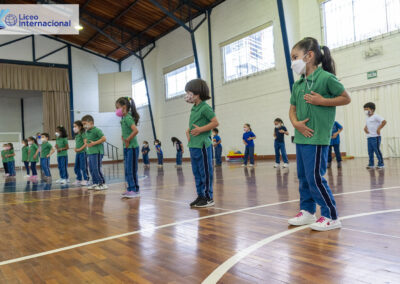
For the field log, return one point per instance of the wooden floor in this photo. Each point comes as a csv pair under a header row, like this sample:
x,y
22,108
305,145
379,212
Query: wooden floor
x,y
50,234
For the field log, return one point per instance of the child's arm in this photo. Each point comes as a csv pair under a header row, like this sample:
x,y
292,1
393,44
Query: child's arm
x,y
183,150
366,129
188,134
378,131
100,141
83,146
316,99
198,130
62,149
337,133
135,132
37,153
244,142
299,125
274,134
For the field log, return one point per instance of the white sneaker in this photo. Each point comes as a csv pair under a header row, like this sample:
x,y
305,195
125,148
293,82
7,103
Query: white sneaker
x,y
27,176
92,186
243,165
285,165
302,218
84,182
100,187
59,180
251,165
326,224
104,186
277,166
64,181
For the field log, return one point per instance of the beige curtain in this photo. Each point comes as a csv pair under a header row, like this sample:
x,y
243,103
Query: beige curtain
x,y
56,112
53,82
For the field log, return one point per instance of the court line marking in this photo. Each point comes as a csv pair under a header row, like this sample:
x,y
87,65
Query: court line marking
x,y
220,271
372,233
153,228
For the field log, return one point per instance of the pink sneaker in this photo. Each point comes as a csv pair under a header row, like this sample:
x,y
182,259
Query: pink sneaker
x,y
123,195
302,218
326,224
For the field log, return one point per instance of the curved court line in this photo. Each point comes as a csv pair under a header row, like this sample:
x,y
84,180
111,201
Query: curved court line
x,y
220,271
5,262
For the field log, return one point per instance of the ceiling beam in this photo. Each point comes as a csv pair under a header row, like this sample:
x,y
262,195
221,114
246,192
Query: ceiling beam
x,y
170,14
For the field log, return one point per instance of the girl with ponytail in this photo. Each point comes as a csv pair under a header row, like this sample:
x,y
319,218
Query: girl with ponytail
x,y
312,112
126,109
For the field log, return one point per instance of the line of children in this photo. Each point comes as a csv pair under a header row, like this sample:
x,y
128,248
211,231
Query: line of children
x,y
279,144
202,120
81,165
248,140
335,144
46,151
145,154
126,109
179,151
312,112
160,155
217,147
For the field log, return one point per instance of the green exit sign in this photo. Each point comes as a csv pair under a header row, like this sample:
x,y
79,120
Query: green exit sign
x,y
372,74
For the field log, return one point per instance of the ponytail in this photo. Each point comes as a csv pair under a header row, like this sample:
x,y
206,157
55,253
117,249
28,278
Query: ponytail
x,y
322,53
130,107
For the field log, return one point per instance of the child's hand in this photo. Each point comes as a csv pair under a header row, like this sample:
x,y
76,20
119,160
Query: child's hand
x,y
281,131
314,98
366,130
196,130
378,131
34,156
76,150
91,144
48,156
127,142
334,136
303,129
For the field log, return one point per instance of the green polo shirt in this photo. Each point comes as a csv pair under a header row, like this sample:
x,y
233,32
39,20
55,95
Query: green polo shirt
x,y
32,150
45,149
126,125
10,159
25,151
93,135
80,141
200,115
3,156
62,143
321,117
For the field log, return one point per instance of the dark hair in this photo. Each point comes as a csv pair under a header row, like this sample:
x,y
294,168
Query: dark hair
x,y
146,142
130,106
63,132
198,87
175,140
11,145
248,125
370,105
45,135
32,139
311,44
25,142
158,141
87,118
80,125
216,130
278,120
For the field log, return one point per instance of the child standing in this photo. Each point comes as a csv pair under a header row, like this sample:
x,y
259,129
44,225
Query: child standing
x,y
202,121
248,137
126,109
62,154
335,144
145,153
373,127
160,156
217,147
312,112
179,151
33,156
81,168
5,159
10,160
279,144
95,139
25,156
46,151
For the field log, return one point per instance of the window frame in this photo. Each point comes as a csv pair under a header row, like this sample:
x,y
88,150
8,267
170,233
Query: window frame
x,y
135,82
240,37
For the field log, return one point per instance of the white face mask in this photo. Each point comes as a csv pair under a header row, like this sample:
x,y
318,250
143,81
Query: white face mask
x,y
189,98
76,130
367,112
44,139
87,127
57,134
277,126
30,143
299,66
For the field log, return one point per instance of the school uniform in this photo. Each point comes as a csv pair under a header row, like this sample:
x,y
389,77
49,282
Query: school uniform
x,y
160,155
200,148
374,139
32,151
179,153
44,160
11,163
145,154
312,152
279,145
5,161
25,158
81,165
131,154
335,143
249,150
217,150
95,155
62,157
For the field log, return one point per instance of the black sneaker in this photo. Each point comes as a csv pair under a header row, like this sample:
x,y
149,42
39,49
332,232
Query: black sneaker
x,y
210,202
195,202
202,203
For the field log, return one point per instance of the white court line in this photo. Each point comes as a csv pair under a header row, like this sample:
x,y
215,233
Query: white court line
x,y
220,271
5,262
372,233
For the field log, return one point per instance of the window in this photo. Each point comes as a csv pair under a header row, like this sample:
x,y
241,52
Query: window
x,y
175,81
139,94
249,54
348,21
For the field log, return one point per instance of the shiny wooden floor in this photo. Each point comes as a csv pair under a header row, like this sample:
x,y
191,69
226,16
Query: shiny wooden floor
x,y
50,234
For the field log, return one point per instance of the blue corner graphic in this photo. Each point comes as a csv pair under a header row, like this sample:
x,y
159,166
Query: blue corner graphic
x,y
3,12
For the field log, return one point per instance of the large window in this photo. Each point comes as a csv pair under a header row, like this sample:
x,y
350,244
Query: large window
x,y
348,21
251,53
139,94
175,81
